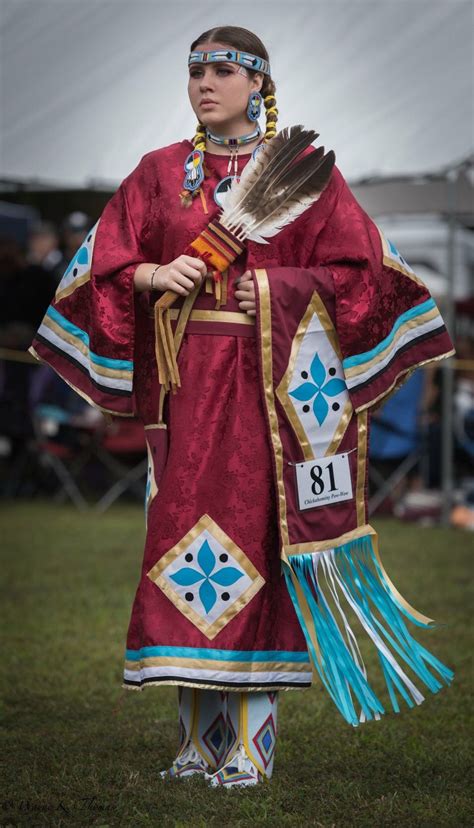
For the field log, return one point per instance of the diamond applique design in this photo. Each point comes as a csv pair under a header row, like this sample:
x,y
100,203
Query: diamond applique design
x,y
207,576
393,258
394,254
313,390
318,390
78,269
265,740
215,739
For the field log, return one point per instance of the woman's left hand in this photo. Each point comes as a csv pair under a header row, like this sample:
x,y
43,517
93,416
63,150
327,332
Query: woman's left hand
x,y
245,293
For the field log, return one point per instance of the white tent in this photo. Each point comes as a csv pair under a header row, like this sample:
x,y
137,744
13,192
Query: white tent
x,y
89,86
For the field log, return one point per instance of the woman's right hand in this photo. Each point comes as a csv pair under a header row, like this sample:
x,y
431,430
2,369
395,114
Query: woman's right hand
x,y
181,275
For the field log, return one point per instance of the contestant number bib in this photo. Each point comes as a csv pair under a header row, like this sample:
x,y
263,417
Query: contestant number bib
x,y
323,481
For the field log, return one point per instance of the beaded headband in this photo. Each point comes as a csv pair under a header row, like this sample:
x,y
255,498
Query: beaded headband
x,y
257,64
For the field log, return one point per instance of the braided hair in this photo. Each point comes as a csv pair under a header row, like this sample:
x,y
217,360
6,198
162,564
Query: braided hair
x,y
245,41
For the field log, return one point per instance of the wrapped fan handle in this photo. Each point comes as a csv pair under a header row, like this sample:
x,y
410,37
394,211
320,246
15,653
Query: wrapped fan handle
x,y
217,247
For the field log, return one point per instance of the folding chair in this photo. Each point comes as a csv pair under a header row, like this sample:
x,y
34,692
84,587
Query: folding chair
x,y
66,448
123,452
75,450
396,440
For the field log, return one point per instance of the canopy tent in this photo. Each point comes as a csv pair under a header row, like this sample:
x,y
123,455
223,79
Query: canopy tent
x,y
89,87
441,192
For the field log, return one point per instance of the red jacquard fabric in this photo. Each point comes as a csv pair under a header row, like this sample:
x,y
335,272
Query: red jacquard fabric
x,y
100,337
219,459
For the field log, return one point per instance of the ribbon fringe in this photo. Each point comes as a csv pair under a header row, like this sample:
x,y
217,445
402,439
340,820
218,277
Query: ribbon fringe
x,y
165,351
351,575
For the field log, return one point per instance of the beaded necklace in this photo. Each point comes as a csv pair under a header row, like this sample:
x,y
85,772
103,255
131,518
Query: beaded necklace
x,y
194,167
234,144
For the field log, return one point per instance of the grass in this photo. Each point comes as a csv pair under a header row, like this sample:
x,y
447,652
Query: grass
x,y
78,750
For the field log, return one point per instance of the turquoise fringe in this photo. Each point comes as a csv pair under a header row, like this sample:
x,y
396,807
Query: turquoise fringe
x,y
353,572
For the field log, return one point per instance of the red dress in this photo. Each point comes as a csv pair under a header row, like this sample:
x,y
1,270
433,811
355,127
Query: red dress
x,y
334,297
218,485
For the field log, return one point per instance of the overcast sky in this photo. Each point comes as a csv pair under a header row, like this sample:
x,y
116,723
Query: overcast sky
x,y
89,86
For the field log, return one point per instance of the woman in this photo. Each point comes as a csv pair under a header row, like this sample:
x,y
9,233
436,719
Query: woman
x,y
212,612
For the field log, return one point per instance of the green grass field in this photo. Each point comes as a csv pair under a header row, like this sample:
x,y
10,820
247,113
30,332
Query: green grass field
x,y
78,750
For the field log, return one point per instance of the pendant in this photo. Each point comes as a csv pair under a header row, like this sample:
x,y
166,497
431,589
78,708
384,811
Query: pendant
x,y
257,150
223,187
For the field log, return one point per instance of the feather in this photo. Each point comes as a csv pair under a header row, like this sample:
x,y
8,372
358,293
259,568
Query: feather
x,y
276,187
297,196
282,149
294,178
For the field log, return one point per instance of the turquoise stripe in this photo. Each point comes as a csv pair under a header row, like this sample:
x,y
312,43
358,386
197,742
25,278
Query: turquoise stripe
x,y
359,359
341,672
69,327
311,649
217,655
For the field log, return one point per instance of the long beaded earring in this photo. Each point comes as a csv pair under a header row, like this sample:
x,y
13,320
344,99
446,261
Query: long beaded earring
x,y
254,107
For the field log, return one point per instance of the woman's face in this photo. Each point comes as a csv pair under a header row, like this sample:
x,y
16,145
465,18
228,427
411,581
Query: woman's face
x,y
226,85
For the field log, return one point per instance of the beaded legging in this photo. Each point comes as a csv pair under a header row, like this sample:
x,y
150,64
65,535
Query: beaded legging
x,y
218,723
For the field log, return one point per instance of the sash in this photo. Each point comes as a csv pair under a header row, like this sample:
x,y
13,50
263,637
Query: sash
x,y
317,420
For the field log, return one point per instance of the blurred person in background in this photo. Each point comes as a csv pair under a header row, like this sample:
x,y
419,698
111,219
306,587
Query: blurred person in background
x,y
43,248
73,230
26,289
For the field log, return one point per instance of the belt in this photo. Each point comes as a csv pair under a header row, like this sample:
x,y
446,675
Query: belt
x,y
172,323
228,323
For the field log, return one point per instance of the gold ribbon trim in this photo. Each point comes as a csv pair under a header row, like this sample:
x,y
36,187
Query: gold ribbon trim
x,y
167,347
165,353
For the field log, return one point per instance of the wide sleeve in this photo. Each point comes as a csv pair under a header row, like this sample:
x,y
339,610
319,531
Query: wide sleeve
x,y
387,321
88,332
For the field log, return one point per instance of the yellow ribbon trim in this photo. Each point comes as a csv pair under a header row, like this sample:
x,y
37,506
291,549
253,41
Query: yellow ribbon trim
x,y
306,613
401,600
361,466
244,718
165,353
